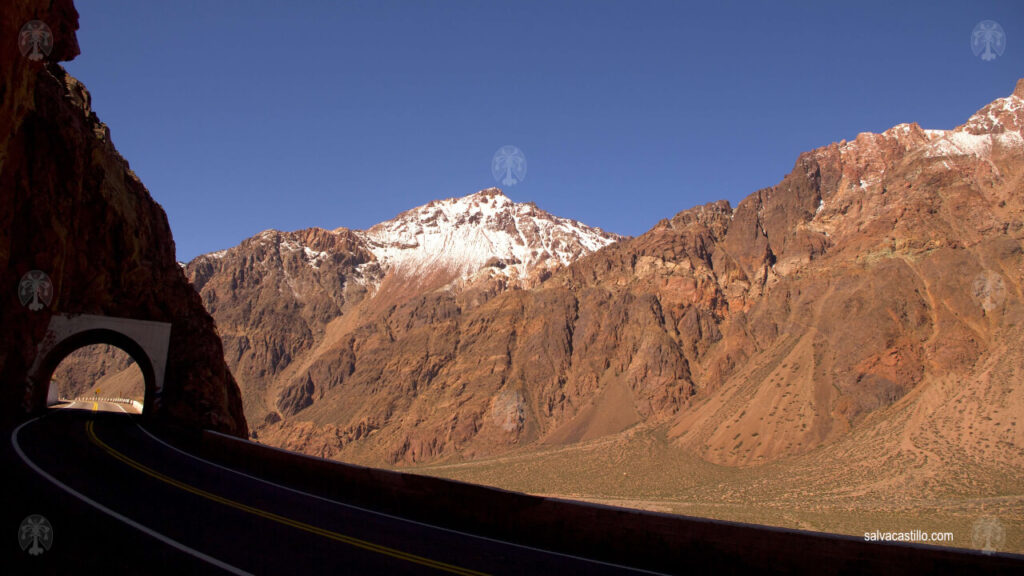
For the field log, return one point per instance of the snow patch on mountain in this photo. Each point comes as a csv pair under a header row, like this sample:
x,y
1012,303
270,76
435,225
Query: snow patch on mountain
x,y
466,234
485,231
1001,123
962,143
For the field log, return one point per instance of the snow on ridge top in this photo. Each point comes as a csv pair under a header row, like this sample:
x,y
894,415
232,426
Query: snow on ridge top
x,y
962,143
999,123
218,255
463,234
1000,116
490,199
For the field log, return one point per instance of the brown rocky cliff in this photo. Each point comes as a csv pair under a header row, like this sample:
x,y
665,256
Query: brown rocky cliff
x,y
284,301
755,333
273,300
856,282
71,207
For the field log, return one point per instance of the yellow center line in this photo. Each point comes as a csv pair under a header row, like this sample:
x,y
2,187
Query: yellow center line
x,y
95,406
365,545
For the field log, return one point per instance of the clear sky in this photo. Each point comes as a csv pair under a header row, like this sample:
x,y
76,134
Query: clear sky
x,y
245,115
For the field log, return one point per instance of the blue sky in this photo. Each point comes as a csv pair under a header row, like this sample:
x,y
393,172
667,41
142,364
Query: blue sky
x,y
241,116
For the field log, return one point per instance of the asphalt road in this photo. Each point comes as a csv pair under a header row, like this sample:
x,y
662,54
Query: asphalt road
x,y
121,500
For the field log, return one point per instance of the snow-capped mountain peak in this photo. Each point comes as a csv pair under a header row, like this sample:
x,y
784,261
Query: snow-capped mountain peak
x,y
485,234
466,234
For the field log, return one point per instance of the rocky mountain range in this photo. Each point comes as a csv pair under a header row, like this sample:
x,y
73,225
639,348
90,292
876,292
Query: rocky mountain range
x,y
286,301
876,287
875,269
841,351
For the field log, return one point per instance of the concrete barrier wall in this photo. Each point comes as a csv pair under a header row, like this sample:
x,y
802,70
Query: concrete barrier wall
x,y
660,542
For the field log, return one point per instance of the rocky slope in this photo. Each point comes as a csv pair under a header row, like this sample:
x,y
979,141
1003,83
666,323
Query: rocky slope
x,y
872,298
102,366
282,300
876,273
71,207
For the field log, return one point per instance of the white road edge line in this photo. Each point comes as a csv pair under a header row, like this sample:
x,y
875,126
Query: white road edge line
x,y
144,529
383,514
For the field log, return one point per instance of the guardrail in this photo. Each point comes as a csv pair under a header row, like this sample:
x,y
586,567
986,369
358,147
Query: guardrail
x,y
115,399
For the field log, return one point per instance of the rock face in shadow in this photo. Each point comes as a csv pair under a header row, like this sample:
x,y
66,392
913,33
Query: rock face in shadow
x,y
70,206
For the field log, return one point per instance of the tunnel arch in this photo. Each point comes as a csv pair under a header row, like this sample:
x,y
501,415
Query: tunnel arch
x,y
145,341
81,340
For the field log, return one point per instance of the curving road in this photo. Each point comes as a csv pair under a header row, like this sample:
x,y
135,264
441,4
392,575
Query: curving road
x,y
122,500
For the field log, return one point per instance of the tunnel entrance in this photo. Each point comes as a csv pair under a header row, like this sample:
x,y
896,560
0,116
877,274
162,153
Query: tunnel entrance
x,y
98,372
144,342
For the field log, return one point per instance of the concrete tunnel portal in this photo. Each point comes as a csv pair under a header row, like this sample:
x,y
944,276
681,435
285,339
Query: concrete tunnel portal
x,y
144,340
